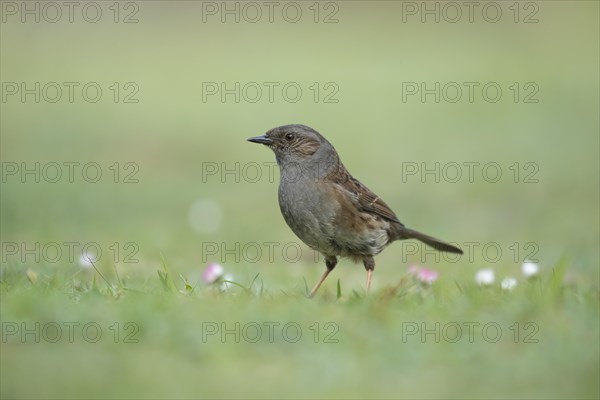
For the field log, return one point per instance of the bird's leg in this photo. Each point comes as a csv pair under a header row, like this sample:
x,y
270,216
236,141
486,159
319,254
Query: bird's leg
x,y
330,263
369,264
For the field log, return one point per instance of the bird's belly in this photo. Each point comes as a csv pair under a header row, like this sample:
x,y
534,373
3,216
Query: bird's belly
x,y
365,242
314,220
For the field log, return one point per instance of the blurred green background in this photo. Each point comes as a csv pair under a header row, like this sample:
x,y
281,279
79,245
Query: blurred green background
x,y
176,133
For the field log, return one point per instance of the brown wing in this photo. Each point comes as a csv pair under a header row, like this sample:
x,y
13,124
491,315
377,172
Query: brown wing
x,y
369,201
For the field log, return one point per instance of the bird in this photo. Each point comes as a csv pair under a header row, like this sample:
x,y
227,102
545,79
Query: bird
x,y
327,208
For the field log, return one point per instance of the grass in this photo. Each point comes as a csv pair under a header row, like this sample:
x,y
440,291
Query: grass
x,y
161,326
452,339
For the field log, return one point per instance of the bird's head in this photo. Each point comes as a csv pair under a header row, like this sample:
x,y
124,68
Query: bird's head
x,y
298,144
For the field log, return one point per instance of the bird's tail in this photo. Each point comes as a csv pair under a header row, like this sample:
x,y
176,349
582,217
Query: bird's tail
x,y
430,241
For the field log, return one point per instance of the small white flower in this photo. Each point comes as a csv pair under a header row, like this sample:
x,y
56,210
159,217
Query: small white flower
x,y
508,283
530,269
224,285
86,259
485,276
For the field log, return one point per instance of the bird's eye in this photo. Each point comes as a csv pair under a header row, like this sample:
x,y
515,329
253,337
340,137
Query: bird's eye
x,y
289,136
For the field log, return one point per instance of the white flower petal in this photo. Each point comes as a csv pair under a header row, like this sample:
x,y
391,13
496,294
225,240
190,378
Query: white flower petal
x,y
485,276
86,260
508,283
530,268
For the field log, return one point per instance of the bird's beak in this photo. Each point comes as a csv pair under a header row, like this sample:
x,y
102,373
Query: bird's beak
x,y
261,139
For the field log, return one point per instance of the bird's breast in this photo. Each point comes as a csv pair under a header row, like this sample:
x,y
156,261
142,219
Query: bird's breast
x,y
306,212
323,221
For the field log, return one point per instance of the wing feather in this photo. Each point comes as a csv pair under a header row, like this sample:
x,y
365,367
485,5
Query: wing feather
x,y
369,201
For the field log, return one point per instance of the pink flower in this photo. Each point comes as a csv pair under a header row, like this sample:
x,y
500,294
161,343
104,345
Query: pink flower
x,y
212,273
428,275
423,274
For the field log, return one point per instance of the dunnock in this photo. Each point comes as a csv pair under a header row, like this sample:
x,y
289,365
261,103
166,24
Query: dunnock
x,y
327,208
